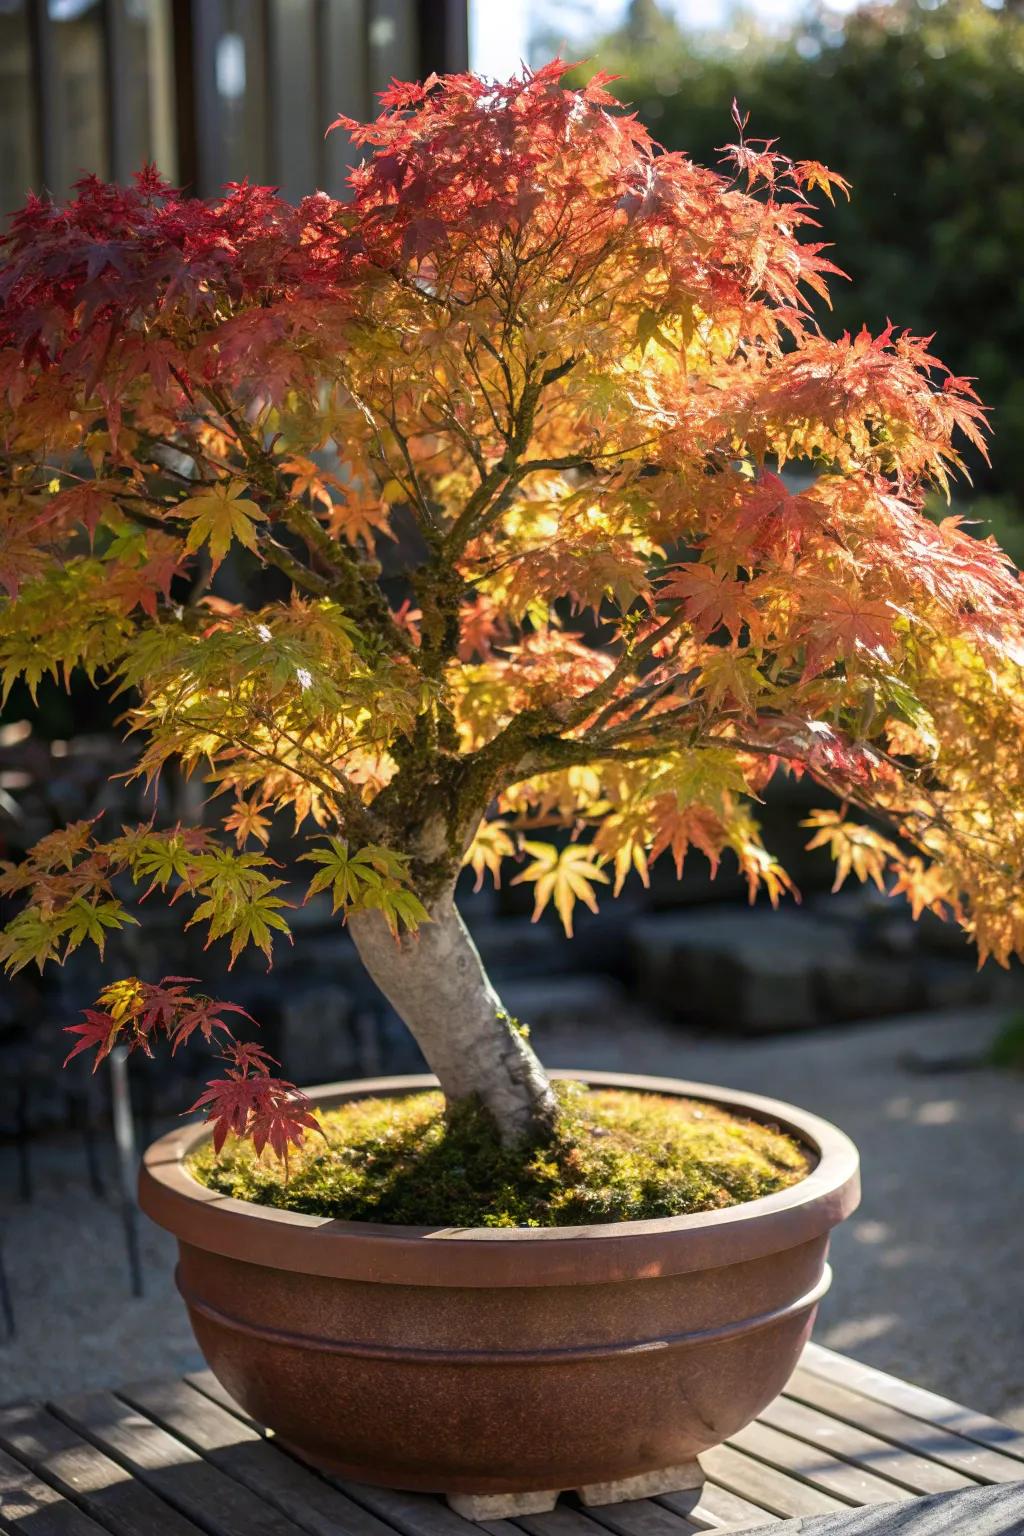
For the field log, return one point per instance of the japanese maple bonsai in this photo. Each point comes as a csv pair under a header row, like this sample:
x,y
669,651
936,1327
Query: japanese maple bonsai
x,y
554,374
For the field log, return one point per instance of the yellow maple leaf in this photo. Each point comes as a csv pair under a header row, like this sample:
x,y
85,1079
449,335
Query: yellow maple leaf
x,y
218,516
565,876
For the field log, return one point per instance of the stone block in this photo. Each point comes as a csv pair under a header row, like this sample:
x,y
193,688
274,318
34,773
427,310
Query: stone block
x,y
758,970
563,999
746,970
514,945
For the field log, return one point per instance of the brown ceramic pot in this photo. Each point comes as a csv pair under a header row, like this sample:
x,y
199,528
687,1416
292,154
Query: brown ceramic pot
x,y
493,1361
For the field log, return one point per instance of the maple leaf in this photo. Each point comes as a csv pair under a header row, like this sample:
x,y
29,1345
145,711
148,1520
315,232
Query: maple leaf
x,y
228,1104
161,857
100,1030
813,174
372,878
32,935
491,844
85,919
146,1008
927,887
204,1015
249,1102
712,599
850,622
771,520
564,876
358,518
312,481
677,827
855,848
282,1117
246,919
247,820
219,516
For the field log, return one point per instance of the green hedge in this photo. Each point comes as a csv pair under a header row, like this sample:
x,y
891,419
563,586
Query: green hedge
x,y
921,108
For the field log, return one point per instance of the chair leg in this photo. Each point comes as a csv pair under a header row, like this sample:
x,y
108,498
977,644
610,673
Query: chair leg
x,y
6,1304
127,1159
23,1136
92,1155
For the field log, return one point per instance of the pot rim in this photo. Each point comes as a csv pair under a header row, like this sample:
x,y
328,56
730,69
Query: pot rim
x,y
510,1256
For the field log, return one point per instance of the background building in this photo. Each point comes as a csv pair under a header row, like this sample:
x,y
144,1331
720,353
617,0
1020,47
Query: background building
x,y
211,90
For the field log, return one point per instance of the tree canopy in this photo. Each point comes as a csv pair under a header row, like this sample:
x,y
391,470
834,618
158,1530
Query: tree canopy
x,y
556,378
917,104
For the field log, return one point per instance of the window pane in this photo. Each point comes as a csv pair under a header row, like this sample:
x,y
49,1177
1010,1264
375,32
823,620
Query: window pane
x,y
240,82
18,168
141,47
295,97
79,69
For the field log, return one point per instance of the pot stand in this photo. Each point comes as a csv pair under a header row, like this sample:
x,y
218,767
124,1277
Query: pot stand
x,y
508,1506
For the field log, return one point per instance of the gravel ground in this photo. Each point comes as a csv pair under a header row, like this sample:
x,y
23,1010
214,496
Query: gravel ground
x,y
927,1274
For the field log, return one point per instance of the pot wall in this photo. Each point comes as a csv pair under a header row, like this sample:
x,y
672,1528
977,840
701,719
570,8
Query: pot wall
x,y
623,1349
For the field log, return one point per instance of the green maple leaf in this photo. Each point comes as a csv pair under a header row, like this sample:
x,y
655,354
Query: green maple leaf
x,y
29,936
374,877
161,858
398,906
23,657
90,920
248,920
220,515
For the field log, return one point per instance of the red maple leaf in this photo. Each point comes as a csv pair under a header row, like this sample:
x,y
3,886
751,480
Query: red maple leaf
x,y
204,1014
268,1110
848,622
99,1030
228,1103
713,600
283,1118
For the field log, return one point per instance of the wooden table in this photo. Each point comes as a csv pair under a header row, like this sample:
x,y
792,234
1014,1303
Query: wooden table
x,y
845,1449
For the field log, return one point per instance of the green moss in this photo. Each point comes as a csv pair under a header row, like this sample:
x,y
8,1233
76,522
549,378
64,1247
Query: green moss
x,y
616,1156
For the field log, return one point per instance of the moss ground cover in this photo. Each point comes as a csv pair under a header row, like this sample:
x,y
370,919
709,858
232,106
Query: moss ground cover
x,y
616,1156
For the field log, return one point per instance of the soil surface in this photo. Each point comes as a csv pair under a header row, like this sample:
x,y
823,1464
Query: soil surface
x,y
926,1273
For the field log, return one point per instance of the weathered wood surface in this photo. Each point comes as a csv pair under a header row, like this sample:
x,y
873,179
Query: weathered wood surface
x,y
992,1511
845,1451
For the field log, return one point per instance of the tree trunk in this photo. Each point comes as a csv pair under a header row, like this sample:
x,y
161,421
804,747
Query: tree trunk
x,y
436,982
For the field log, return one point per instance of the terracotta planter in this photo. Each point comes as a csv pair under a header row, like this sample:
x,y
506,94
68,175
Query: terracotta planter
x,y
501,1361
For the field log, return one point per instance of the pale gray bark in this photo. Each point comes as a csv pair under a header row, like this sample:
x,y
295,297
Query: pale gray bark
x,y
436,982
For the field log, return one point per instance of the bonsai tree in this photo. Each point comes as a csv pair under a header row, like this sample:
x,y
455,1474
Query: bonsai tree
x,y
500,441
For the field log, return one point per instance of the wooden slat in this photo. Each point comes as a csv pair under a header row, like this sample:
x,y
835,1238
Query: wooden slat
x,y
413,1514
244,1454
815,1466
922,1404
997,1511
942,1445
773,1490
181,1458
423,1515
30,1507
79,1471
418,1514
711,1508
915,1473
207,1383
198,1490
641,1517
563,1520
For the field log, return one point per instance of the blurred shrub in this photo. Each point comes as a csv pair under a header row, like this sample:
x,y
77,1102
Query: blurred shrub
x,y
920,107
